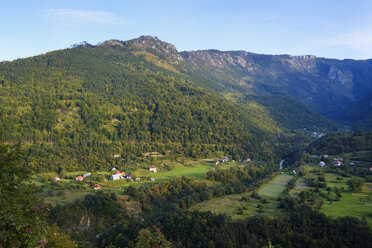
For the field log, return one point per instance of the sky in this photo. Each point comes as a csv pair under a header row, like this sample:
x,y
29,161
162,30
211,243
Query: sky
x,y
325,28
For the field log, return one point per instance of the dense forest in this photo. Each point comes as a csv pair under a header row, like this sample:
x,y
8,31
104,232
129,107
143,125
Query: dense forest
x,y
342,143
77,108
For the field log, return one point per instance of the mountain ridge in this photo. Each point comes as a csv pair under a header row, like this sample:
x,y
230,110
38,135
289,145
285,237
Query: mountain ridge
x,y
328,86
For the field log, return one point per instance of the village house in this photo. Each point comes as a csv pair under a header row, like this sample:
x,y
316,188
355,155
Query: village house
x,y
153,169
56,179
129,176
87,175
225,160
79,178
113,169
152,179
246,160
338,161
96,187
321,163
116,177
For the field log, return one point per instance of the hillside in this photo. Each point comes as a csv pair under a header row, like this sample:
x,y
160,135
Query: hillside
x,y
77,108
358,115
289,113
342,143
108,104
327,86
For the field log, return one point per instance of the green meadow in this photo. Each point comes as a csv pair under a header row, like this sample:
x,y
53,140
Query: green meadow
x,y
276,186
231,204
65,192
351,204
66,197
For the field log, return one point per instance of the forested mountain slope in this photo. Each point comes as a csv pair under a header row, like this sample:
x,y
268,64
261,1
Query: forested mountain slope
x,y
77,108
327,86
358,115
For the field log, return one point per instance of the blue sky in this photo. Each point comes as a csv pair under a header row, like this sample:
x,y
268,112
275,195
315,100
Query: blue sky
x,y
325,28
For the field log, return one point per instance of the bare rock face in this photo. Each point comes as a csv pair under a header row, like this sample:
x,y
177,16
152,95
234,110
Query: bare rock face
x,y
149,44
341,76
84,223
306,63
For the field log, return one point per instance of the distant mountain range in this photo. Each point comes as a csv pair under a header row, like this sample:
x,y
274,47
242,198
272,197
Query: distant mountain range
x,y
77,107
327,86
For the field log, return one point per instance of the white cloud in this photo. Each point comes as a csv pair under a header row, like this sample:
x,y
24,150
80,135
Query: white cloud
x,y
79,16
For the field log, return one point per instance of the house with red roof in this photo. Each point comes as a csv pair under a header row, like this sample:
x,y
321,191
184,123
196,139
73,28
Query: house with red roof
x,y
79,178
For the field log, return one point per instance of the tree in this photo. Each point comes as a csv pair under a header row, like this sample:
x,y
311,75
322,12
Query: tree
x,y
56,239
152,238
22,216
62,173
355,184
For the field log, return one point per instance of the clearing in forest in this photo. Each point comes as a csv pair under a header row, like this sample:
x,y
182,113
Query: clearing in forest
x,y
276,186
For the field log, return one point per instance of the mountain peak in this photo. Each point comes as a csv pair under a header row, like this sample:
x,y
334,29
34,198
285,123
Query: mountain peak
x,y
147,43
144,42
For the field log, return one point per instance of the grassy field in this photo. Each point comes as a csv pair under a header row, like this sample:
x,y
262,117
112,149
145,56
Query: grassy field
x,y
276,186
300,186
351,204
195,170
61,193
67,197
231,204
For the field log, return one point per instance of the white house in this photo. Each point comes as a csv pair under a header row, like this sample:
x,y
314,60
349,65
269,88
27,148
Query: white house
x,y
152,179
116,177
87,175
153,169
321,163
225,160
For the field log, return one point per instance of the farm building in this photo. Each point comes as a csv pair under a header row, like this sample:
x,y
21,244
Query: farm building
x,y
116,177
